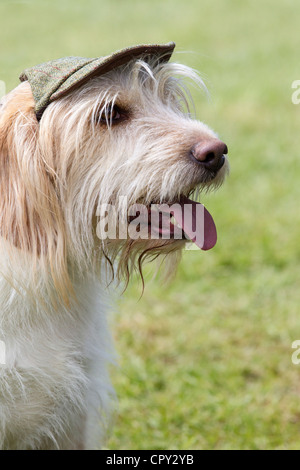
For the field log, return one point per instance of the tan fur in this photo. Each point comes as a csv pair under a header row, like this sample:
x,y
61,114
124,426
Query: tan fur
x,y
30,214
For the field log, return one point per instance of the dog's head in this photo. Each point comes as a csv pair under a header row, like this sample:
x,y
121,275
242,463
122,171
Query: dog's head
x,y
120,139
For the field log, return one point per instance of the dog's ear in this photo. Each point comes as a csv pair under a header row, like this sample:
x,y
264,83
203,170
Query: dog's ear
x,y
30,214
18,138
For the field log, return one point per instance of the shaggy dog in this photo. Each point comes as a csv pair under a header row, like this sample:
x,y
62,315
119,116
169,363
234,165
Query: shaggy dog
x,y
122,137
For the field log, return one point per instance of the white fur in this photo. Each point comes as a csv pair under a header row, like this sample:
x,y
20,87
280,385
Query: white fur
x,y
54,389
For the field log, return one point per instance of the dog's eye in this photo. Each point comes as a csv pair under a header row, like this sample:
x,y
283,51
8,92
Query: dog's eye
x,y
113,115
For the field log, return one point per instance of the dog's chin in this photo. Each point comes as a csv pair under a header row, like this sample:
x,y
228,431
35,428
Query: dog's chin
x,y
147,238
125,257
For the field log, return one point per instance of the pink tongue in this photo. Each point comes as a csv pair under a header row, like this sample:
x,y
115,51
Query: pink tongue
x,y
196,222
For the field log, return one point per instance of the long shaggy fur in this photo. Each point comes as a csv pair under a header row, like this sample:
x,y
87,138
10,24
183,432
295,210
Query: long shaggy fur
x,y
54,270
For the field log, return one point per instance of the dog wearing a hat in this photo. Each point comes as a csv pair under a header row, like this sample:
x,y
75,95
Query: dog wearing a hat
x,y
90,149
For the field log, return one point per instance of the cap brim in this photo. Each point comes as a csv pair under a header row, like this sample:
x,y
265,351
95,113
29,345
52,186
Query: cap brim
x,y
105,64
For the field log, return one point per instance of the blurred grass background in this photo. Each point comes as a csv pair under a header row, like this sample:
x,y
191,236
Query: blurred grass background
x,y
205,362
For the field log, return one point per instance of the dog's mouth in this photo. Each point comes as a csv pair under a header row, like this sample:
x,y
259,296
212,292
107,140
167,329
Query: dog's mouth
x,y
186,220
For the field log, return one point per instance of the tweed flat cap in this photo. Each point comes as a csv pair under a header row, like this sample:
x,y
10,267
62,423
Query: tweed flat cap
x,y
52,80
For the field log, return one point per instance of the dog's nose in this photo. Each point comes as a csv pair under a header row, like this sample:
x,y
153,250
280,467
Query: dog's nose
x,y
210,154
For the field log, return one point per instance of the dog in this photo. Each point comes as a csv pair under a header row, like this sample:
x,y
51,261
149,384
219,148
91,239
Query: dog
x,y
76,135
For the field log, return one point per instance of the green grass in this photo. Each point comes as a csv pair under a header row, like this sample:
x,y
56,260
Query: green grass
x,y
205,362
